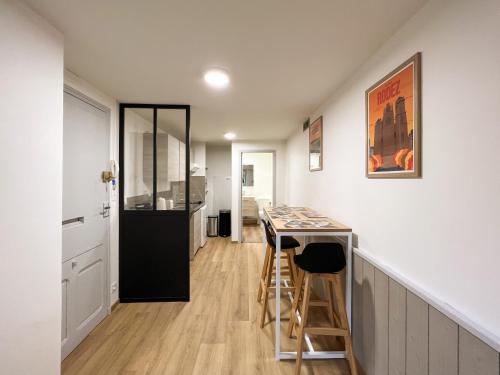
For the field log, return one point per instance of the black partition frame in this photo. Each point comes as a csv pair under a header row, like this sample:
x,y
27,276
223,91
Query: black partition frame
x,y
154,245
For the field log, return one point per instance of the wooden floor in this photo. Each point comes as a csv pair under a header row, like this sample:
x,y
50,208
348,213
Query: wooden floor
x,y
216,333
251,233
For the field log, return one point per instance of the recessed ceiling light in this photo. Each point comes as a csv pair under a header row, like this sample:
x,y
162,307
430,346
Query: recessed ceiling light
x,y
217,78
230,136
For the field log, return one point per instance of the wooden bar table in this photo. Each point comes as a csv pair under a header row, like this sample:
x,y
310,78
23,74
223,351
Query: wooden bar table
x,y
302,221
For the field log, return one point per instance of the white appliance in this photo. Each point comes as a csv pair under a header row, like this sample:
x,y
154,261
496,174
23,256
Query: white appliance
x,y
203,215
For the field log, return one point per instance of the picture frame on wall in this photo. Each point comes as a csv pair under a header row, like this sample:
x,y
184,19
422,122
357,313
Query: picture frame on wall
x,y
316,145
393,123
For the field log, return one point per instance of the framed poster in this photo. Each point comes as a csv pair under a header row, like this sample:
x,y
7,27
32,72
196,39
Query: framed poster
x,y
316,145
393,107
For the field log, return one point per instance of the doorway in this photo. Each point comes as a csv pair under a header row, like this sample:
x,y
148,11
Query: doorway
x,y
85,226
257,191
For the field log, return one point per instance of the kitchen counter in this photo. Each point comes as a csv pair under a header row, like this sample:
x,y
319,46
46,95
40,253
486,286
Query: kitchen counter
x,y
193,207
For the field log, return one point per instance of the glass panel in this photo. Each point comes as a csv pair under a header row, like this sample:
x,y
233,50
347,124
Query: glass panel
x,y
171,159
138,155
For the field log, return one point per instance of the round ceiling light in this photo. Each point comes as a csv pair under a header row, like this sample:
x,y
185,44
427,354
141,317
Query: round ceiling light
x,y
230,136
217,78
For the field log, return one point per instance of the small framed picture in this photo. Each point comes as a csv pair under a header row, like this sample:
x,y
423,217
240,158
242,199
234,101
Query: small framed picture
x,y
316,145
393,107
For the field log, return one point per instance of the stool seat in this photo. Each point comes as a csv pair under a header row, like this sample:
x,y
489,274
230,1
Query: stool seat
x,y
321,257
287,242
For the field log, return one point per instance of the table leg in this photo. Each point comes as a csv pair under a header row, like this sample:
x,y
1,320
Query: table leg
x,y
348,284
278,298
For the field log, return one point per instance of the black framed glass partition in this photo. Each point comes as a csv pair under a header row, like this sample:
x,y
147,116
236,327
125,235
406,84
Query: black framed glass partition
x,y
154,202
154,144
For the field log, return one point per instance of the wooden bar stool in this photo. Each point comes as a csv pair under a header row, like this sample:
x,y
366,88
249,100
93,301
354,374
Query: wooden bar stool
x,y
288,246
324,261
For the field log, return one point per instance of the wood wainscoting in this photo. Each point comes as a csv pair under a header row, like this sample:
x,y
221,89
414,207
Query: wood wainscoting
x,y
395,332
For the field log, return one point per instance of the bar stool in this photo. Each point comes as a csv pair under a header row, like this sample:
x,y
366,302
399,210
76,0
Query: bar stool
x,y
288,246
323,261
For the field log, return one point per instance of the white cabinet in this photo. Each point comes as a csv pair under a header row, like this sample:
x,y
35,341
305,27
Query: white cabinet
x,y
197,230
194,234
198,157
162,166
173,159
197,233
182,161
176,159
203,226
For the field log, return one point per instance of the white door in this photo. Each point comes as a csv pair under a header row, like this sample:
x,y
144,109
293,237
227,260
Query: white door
x,y
85,220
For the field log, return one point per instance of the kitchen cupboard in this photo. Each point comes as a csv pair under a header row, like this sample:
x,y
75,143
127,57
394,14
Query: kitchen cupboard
x,y
194,233
173,158
182,161
176,159
198,158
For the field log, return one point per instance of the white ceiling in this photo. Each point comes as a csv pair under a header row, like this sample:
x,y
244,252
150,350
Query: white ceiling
x,y
284,56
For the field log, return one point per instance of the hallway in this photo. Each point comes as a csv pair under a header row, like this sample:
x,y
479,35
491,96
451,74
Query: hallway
x,y
216,333
251,233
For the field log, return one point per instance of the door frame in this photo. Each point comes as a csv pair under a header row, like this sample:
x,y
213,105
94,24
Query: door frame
x,y
240,184
79,95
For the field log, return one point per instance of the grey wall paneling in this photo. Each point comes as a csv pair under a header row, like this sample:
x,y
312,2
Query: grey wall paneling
x,y
357,308
397,333
368,318
443,344
381,348
397,328
417,335
475,357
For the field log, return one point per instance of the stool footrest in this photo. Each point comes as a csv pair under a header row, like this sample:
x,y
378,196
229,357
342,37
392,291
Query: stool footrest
x,y
318,303
282,289
325,331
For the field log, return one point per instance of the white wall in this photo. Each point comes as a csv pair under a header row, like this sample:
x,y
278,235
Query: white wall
x,y
236,150
31,88
441,231
262,189
218,163
87,89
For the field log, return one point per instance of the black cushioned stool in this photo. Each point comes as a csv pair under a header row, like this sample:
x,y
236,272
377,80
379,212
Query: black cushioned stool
x,y
288,245
324,261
